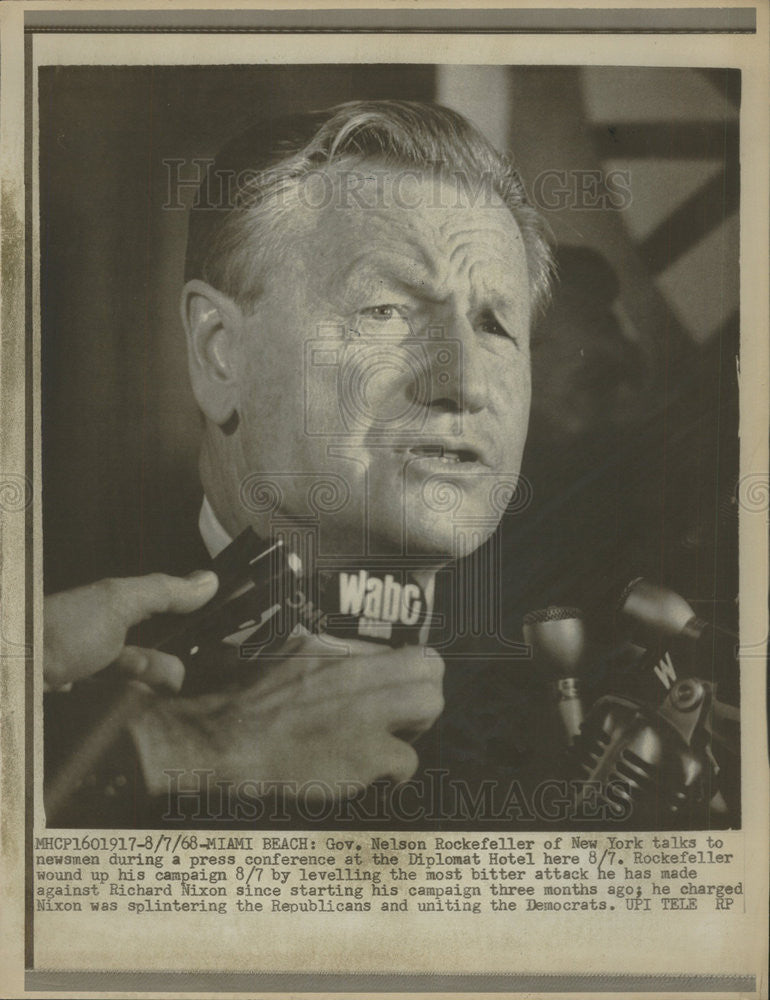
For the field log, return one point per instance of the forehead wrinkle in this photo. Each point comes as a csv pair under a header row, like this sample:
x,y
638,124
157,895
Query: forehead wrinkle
x,y
393,237
454,250
432,235
468,248
435,242
493,242
471,234
489,269
498,294
405,266
465,258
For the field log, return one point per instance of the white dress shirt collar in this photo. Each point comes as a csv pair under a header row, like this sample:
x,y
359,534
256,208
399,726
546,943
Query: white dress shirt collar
x,y
214,536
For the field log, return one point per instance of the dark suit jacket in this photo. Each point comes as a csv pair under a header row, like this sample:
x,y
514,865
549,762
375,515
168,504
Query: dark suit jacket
x,y
479,763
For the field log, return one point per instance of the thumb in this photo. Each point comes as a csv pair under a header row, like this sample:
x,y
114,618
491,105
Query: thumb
x,y
151,666
140,597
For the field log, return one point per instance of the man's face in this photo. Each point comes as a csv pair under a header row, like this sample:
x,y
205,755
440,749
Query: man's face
x,y
390,356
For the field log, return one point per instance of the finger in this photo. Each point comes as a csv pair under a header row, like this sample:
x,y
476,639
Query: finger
x,y
370,675
308,652
302,655
315,650
132,661
409,708
136,598
341,679
151,666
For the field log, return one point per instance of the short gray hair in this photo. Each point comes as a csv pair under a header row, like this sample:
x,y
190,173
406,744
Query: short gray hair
x,y
227,243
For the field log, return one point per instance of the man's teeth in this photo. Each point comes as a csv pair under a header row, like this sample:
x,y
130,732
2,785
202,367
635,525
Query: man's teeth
x,y
433,451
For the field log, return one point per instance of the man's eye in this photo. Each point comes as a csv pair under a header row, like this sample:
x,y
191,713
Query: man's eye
x,y
490,325
384,312
393,317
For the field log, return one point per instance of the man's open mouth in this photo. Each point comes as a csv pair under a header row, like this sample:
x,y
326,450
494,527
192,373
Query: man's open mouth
x,y
450,456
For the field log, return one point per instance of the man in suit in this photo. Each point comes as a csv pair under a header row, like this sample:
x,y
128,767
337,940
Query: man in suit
x,y
357,307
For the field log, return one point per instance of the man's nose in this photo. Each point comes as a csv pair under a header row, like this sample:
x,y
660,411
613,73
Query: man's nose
x,y
456,377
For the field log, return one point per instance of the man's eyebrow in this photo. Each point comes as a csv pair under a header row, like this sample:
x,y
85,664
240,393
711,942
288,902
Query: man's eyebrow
x,y
500,301
414,274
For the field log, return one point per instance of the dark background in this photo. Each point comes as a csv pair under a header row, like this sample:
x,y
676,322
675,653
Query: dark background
x,y
120,425
632,458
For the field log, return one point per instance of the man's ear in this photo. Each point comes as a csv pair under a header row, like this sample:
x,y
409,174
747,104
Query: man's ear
x,y
212,323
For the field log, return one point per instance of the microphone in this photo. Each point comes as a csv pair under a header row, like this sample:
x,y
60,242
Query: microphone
x,y
247,570
647,744
663,611
262,598
648,764
668,635
558,640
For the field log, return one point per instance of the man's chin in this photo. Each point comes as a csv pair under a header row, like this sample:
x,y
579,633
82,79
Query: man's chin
x,y
439,542
440,552
429,537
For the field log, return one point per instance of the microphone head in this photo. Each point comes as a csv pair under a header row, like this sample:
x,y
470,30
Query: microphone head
x,y
656,607
558,638
553,613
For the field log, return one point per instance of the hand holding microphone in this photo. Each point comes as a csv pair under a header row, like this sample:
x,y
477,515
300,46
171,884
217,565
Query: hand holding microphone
x,y
85,628
266,695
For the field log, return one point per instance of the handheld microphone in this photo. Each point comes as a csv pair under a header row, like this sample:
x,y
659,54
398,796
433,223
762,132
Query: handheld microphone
x,y
262,598
266,594
558,640
244,569
257,582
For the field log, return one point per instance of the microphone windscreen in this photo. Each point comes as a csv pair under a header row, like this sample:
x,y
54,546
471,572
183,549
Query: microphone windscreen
x,y
655,607
557,637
